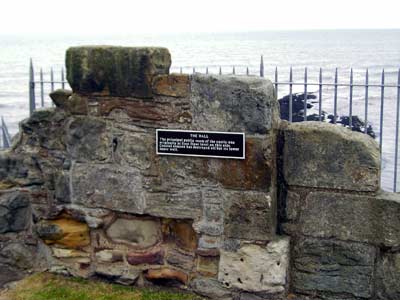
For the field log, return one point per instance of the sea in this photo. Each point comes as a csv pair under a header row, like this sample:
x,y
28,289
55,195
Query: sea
x,y
375,50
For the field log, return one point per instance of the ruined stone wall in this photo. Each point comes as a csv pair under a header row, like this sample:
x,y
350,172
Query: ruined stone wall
x,y
83,192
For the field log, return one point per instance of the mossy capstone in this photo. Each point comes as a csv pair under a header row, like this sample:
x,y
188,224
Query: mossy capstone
x,y
116,71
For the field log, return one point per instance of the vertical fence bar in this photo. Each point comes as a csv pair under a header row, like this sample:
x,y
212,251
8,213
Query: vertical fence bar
x,y
207,70
276,81
335,97
52,83
290,94
41,88
180,70
233,70
351,100
247,71
62,79
366,102
220,70
5,134
320,95
382,107
194,70
32,103
396,154
305,94
262,66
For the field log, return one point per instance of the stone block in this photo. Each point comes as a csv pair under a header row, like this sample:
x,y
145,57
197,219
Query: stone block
x,y
321,155
15,212
250,215
153,256
233,103
167,274
107,186
118,273
109,256
180,259
209,287
115,71
256,268
333,268
368,219
388,276
173,85
183,234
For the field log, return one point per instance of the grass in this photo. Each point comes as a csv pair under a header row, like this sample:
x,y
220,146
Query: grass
x,y
45,286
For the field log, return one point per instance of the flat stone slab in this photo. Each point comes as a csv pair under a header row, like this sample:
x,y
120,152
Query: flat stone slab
x,y
349,217
115,71
321,155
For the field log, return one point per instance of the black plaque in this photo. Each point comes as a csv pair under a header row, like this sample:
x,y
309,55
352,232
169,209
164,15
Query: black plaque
x,y
201,143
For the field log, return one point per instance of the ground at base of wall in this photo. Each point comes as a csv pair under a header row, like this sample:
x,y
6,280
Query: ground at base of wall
x,y
45,286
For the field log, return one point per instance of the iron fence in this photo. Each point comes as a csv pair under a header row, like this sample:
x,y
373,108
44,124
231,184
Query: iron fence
x,y
288,87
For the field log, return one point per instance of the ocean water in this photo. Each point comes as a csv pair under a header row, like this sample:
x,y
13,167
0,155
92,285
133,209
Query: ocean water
x,y
326,49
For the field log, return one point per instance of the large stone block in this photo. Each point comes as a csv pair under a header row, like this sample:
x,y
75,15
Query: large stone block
x,y
250,215
115,71
368,219
333,269
256,268
233,103
321,155
15,212
107,186
388,275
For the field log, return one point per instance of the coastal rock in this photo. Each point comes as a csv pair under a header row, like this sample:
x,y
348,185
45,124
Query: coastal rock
x,y
15,212
115,71
326,156
326,267
347,217
255,268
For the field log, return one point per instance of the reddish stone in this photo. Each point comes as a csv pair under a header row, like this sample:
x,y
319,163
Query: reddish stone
x,y
174,85
207,252
167,273
152,257
184,235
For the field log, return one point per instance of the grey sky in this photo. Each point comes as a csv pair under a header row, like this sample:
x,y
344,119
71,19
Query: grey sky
x,y
159,16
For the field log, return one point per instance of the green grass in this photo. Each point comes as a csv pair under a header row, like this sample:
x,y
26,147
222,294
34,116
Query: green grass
x,y
45,286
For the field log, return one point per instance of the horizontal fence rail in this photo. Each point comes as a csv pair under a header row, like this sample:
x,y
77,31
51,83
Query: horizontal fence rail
x,y
326,91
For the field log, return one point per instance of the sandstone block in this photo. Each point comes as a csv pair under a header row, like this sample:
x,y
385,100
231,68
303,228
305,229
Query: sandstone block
x,y
140,233
321,155
183,234
173,85
207,265
15,212
233,103
326,267
250,215
167,273
109,256
115,71
368,219
153,256
255,268
180,259
107,186
65,232
68,253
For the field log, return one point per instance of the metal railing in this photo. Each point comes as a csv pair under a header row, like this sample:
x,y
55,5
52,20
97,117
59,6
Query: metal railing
x,y
305,86
5,135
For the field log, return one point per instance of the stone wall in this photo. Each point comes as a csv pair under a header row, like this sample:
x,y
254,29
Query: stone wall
x,y
83,193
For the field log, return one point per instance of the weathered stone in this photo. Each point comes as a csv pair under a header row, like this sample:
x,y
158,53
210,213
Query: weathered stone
x,y
18,170
76,105
167,273
15,212
207,265
326,267
255,268
250,215
184,235
140,233
65,232
180,260
370,219
109,256
60,97
233,103
9,274
316,154
153,256
68,253
115,71
209,288
61,188
107,186
388,276
87,139
118,273
173,85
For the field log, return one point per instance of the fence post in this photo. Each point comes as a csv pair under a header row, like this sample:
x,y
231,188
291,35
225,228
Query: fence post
x,y
366,102
62,79
41,87
396,152
5,134
32,103
262,66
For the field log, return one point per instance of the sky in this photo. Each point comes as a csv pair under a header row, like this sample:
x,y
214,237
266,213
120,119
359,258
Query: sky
x,y
176,16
